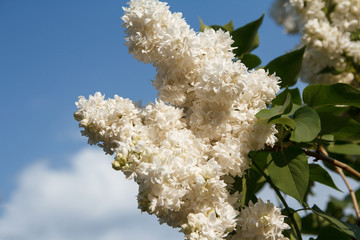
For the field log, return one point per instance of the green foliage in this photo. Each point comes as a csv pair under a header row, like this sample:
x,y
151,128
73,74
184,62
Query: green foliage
x,y
284,121
340,126
276,111
323,120
251,60
350,148
287,67
246,38
254,180
295,97
355,36
312,224
292,165
318,95
329,233
320,175
335,207
304,121
307,125
329,8
291,233
331,70
251,184
347,228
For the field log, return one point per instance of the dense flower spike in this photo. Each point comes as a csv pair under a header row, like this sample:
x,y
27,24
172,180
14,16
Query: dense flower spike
x,y
327,29
177,179
181,148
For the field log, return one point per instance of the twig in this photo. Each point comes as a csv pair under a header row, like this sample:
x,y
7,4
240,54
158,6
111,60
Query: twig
x,y
334,162
352,193
341,173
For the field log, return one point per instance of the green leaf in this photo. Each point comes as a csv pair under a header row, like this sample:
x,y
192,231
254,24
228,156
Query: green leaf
x,y
329,8
229,26
295,97
346,149
355,36
269,113
319,174
277,110
333,109
336,207
330,119
307,125
253,180
287,67
331,70
202,25
261,158
246,38
291,233
341,127
283,120
312,224
349,132
250,60
297,219
295,107
330,233
289,171
335,94
351,230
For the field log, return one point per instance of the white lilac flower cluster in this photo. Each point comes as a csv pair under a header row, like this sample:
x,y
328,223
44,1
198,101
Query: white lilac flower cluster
x,y
199,132
262,216
326,27
283,13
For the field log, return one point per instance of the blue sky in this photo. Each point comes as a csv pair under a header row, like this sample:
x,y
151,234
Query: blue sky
x,y
51,52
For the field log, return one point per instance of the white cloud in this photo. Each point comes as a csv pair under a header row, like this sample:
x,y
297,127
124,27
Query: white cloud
x,y
88,201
